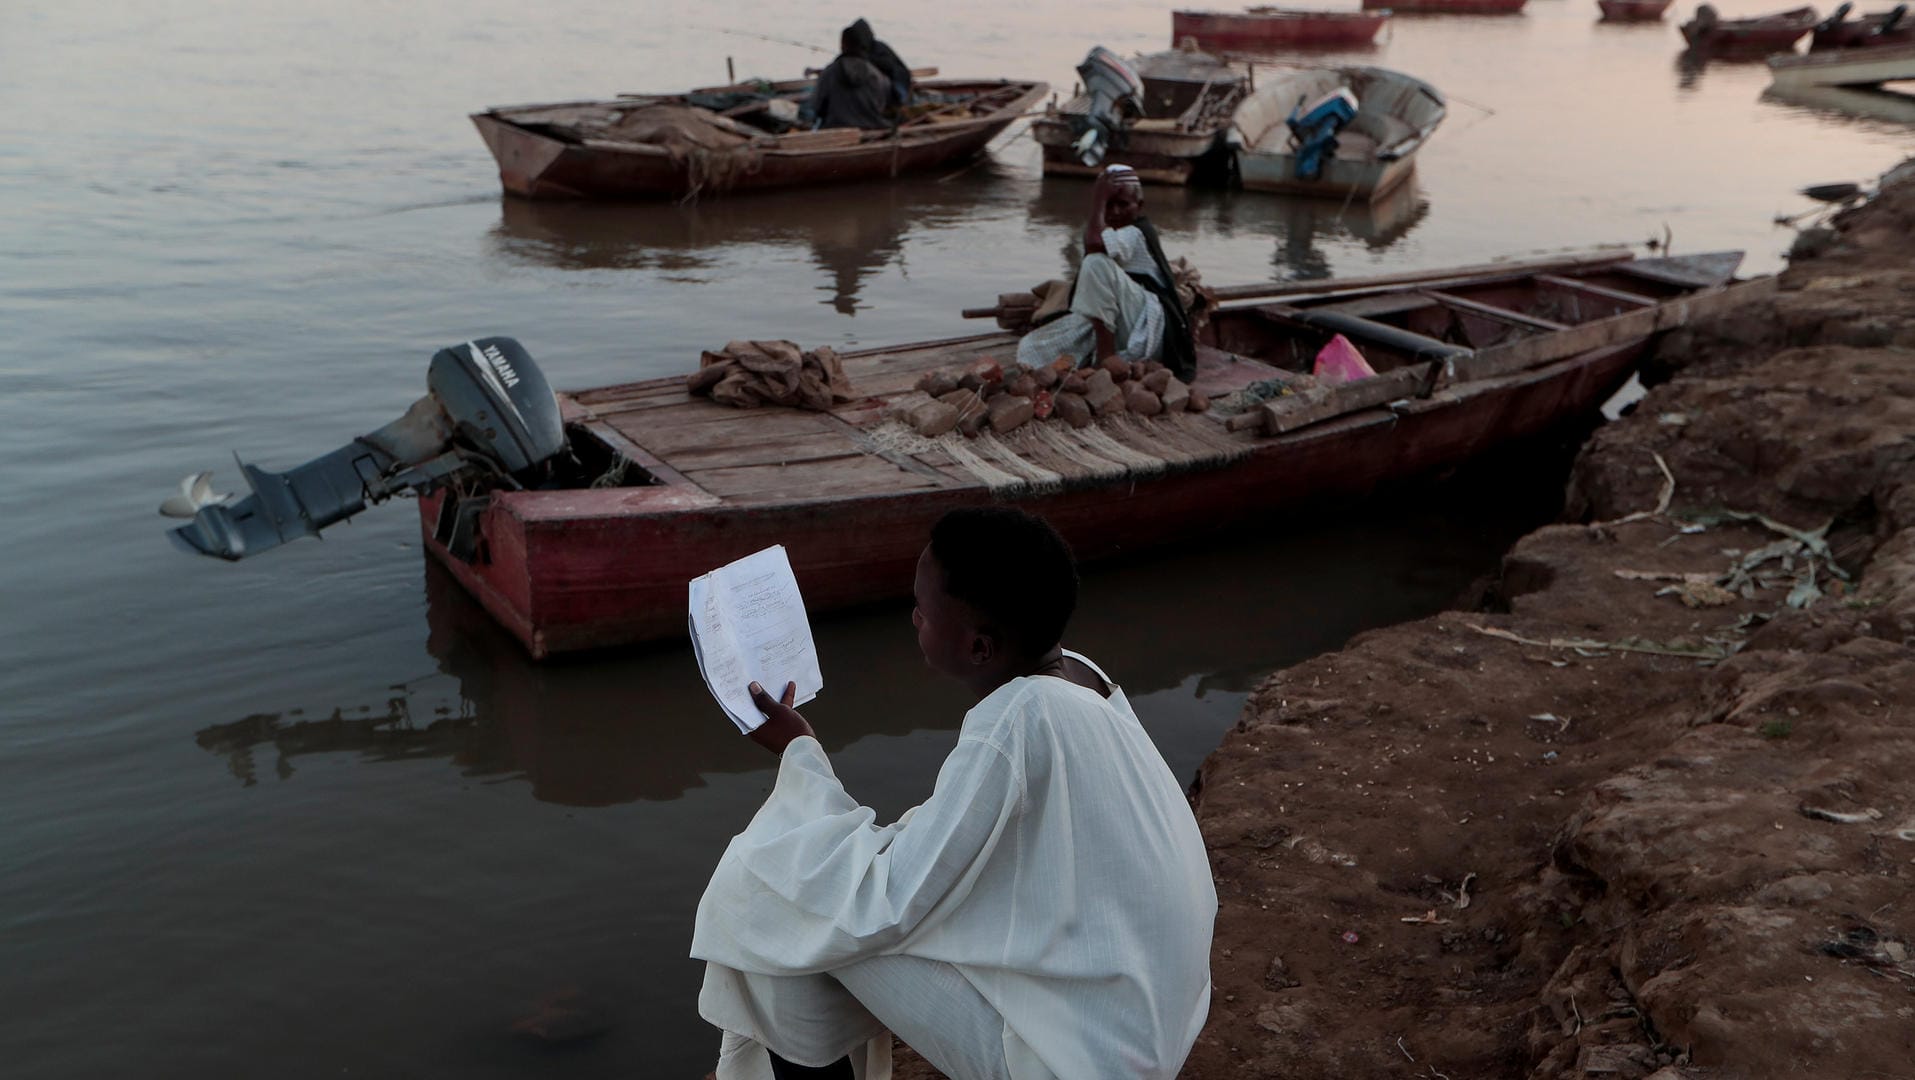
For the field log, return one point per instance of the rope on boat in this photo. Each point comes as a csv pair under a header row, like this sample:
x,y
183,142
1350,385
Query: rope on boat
x,y
1044,458
1136,462
999,481
1042,481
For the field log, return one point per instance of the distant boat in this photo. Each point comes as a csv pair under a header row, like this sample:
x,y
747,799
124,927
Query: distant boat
x,y
1709,32
1374,153
1885,105
1633,10
1871,65
1838,31
1446,7
731,138
1188,98
1261,29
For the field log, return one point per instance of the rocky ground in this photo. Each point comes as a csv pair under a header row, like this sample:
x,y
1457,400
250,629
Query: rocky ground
x,y
1647,807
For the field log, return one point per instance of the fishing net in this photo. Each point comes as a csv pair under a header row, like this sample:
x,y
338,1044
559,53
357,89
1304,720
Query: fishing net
x,y
714,155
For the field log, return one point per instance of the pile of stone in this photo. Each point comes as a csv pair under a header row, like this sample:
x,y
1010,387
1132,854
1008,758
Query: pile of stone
x,y
984,398
747,374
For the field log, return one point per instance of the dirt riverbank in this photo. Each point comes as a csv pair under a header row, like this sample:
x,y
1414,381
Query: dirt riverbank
x,y
1647,805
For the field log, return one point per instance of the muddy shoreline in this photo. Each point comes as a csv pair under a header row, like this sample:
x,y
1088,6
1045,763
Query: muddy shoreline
x,y
1646,805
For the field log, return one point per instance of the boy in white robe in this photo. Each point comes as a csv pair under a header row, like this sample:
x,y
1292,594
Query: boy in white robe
x,y
1046,912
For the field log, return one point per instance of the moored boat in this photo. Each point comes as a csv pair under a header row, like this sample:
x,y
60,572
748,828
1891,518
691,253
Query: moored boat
x,y
1838,31
1447,7
1389,117
1632,10
1169,126
734,139
1870,65
1466,361
1263,29
1846,103
1709,32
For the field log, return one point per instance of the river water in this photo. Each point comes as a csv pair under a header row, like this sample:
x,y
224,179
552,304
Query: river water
x,y
311,814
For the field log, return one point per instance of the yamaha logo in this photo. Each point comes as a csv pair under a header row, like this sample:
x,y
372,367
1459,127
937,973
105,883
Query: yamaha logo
x,y
502,366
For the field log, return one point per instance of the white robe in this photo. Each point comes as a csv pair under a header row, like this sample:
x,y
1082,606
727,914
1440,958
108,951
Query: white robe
x,y
1129,311
1045,913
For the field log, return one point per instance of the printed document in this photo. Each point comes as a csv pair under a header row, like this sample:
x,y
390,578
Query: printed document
x,y
748,625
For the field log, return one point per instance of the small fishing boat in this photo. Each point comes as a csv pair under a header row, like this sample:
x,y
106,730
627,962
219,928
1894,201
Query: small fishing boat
x,y
1289,140
1168,125
1710,33
1632,10
1447,7
1264,29
1466,361
1838,31
1846,103
734,138
1870,65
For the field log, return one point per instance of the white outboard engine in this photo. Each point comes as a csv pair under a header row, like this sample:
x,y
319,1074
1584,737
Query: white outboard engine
x,y
488,415
1116,95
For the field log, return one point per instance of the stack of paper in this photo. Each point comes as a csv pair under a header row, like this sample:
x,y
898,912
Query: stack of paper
x,y
748,625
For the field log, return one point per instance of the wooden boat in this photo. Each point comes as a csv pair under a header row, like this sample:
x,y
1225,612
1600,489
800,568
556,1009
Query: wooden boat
x,y
1632,10
1870,65
1467,360
732,139
1838,31
1851,104
1376,152
1447,7
1709,32
1189,97
1263,29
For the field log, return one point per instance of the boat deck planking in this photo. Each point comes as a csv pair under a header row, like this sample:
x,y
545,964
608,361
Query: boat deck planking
x,y
746,456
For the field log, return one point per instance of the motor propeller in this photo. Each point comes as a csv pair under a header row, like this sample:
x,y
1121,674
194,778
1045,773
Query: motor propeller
x,y
488,416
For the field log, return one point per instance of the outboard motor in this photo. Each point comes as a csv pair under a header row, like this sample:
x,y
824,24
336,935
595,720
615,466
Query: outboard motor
x,y
1314,126
1116,95
488,414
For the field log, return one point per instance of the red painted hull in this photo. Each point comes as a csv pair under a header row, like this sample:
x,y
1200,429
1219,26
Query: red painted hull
x,y
1633,10
1771,33
613,570
1256,31
1446,7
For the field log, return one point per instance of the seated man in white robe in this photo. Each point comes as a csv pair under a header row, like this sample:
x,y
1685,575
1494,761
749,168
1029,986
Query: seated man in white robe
x,y
1124,300
1046,912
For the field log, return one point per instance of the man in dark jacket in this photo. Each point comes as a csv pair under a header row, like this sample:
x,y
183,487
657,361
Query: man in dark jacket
x,y
863,87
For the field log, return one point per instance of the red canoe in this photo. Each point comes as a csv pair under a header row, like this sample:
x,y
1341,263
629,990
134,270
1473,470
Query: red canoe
x,y
1446,7
1708,32
1633,10
1261,29
1467,360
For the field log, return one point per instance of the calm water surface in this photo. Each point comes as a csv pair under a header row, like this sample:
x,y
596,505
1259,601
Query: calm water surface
x,y
312,815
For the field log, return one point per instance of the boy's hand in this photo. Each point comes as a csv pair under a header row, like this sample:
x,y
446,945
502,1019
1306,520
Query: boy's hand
x,y
782,722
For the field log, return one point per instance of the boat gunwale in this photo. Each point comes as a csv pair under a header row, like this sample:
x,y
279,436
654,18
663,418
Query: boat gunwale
x,y
536,506
885,142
